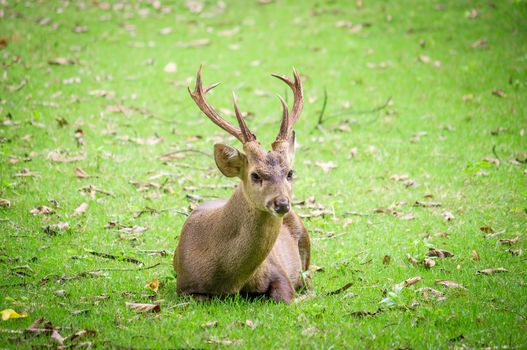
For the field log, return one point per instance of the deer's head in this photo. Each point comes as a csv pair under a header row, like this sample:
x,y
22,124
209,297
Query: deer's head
x,y
266,176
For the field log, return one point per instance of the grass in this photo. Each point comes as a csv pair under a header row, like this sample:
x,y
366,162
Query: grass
x,y
443,120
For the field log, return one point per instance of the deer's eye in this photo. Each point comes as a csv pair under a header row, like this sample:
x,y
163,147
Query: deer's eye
x,y
290,175
255,177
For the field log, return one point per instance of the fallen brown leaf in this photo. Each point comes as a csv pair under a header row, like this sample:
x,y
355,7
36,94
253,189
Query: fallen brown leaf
x,y
5,203
210,324
81,209
56,228
60,61
516,252
170,67
475,255
440,253
448,216
427,204
153,285
326,166
409,281
42,210
449,284
81,174
81,334
479,43
143,308
411,259
499,93
509,241
429,293
194,43
487,229
429,263
386,260
491,271
26,173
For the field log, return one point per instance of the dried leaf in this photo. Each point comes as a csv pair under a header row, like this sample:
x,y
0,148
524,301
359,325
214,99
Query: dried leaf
x,y
194,43
449,284
411,259
509,241
80,29
61,61
516,252
55,336
171,67
5,203
492,271
144,308
429,263
10,313
133,230
407,216
409,281
448,216
386,260
81,174
210,324
81,209
487,229
42,210
326,166
153,285
499,93
222,341
166,31
102,93
194,6
475,255
81,334
25,173
55,228
440,253
429,293
427,204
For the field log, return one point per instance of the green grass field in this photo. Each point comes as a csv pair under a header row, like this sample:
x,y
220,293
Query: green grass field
x,y
426,102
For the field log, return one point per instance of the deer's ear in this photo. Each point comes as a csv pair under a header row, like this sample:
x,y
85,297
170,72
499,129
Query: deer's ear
x,y
228,159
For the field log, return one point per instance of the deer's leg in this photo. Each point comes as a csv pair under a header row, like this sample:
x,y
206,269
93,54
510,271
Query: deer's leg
x,y
280,287
281,290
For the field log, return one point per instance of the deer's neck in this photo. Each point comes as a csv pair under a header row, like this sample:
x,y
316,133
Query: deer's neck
x,y
251,233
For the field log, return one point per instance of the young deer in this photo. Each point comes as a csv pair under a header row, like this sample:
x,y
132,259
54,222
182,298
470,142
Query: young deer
x,y
253,243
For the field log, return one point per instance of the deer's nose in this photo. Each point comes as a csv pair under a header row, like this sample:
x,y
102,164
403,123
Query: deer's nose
x,y
281,205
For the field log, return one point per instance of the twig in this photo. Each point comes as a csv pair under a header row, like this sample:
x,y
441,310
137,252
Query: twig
x,y
355,213
187,150
128,268
153,211
324,103
496,154
188,166
114,257
365,111
329,237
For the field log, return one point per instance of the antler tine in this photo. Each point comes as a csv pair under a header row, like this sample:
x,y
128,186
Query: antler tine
x,y
284,125
198,95
246,133
288,121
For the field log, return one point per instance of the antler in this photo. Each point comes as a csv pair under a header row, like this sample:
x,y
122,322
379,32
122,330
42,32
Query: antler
x,y
198,95
286,127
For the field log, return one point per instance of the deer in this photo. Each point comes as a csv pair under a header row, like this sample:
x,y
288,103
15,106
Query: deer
x,y
254,243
